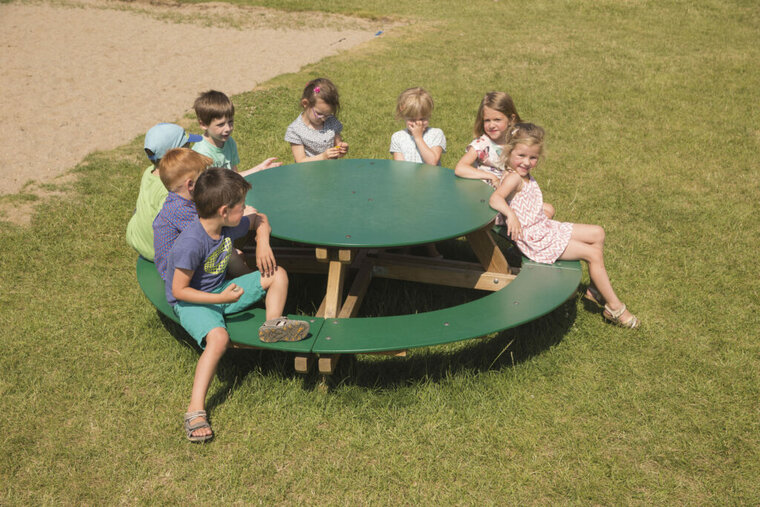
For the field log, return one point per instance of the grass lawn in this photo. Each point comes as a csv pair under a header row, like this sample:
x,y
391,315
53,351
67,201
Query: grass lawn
x,y
653,131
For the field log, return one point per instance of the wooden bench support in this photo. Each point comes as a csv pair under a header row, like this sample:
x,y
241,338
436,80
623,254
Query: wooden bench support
x,y
328,363
395,353
487,251
357,291
440,272
303,362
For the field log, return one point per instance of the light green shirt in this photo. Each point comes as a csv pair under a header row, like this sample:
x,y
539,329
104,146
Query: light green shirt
x,y
226,156
149,202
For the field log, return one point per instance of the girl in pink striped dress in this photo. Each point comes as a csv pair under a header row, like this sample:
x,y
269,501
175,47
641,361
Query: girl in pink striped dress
x,y
519,199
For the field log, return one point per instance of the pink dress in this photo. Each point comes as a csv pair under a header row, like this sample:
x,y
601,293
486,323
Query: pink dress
x,y
542,240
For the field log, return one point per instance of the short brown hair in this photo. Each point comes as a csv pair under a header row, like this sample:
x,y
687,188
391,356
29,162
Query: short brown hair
x,y
414,103
212,105
218,187
180,163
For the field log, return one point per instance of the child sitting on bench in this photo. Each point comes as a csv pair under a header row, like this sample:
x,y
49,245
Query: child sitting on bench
x,y
199,294
541,239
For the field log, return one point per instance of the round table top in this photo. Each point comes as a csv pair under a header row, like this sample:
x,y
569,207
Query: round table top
x,y
369,203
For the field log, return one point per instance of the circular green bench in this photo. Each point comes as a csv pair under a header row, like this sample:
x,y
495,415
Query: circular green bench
x,y
537,290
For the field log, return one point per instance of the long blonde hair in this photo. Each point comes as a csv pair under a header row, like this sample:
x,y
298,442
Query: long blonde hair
x,y
521,133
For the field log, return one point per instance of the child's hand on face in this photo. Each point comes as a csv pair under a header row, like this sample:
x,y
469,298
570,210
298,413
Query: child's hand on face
x,y
416,127
249,210
232,293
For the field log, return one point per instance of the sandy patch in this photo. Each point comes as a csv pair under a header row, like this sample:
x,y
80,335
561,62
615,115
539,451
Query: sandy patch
x,y
91,75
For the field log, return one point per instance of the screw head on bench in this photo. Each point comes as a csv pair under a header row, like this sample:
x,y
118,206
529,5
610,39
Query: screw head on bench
x,y
328,337
445,323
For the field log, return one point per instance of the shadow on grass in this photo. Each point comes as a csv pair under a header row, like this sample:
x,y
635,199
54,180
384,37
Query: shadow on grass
x,y
506,349
236,364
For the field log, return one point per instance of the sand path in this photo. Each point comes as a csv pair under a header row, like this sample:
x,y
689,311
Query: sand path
x,y
92,75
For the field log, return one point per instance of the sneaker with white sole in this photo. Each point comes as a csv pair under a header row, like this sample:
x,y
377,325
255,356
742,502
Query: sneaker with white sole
x,y
283,329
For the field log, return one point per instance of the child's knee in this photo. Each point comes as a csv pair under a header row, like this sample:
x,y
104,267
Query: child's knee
x,y
281,276
599,233
596,255
278,279
218,339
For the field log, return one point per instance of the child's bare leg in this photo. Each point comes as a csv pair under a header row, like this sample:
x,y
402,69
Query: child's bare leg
x,y
217,341
549,210
593,235
277,292
592,252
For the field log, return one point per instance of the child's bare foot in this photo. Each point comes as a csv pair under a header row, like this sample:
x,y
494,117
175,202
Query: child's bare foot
x,y
197,427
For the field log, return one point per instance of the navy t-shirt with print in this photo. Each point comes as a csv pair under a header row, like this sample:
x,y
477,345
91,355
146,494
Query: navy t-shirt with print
x,y
207,257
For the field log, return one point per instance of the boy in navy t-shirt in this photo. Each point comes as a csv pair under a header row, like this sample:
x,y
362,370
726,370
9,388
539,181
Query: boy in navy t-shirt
x,y
199,294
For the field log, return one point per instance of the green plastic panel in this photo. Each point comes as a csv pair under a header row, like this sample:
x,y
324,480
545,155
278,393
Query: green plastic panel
x,y
243,327
537,290
369,203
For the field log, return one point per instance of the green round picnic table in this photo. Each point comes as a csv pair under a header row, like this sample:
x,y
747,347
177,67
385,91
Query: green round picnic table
x,y
364,203
349,211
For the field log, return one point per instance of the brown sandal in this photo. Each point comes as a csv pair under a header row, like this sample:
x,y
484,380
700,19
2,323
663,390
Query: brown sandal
x,y
614,316
592,294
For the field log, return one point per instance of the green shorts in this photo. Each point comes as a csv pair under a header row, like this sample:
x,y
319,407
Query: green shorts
x,y
199,319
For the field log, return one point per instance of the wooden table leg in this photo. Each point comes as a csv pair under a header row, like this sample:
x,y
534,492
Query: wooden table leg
x,y
338,262
334,294
357,291
487,251
331,305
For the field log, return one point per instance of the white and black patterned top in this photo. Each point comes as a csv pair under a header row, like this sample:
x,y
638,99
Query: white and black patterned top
x,y
314,141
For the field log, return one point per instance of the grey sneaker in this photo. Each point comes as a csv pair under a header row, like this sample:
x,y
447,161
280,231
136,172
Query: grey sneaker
x,y
283,329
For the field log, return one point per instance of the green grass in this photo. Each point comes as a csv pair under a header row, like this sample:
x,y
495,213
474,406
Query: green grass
x,y
650,109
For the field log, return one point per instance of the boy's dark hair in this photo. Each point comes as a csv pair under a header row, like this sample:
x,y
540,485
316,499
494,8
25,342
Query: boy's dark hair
x,y
217,187
212,105
322,88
